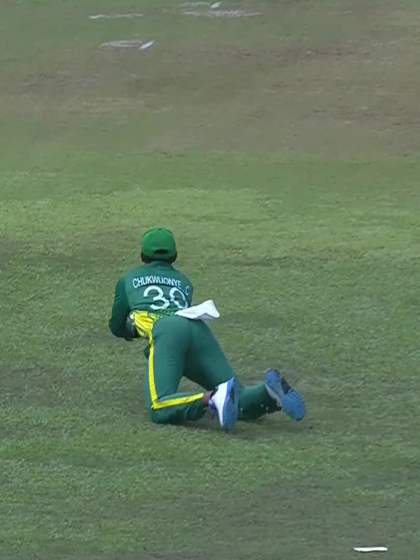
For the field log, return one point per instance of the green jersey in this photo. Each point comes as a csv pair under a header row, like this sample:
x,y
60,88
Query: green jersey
x,y
156,287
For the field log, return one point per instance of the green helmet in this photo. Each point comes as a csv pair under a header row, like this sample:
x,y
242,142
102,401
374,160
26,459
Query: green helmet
x,y
158,244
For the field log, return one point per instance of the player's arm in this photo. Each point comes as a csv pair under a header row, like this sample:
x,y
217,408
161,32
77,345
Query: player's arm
x,y
189,290
120,312
190,295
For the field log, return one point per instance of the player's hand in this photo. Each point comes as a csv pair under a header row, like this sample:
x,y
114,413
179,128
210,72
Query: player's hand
x,y
130,328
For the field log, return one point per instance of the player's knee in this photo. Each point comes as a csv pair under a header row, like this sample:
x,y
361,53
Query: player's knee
x,y
165,416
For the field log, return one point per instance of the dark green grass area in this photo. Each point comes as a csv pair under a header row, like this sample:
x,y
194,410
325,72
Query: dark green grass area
x,y
305,230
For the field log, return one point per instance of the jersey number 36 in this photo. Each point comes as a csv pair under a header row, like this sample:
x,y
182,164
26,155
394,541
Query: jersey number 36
x,y
161,300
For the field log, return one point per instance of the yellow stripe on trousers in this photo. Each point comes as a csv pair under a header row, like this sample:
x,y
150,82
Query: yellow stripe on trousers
x,y
156,403
144,322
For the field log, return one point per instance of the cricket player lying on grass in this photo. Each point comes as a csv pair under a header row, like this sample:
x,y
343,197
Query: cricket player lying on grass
x,y
149,303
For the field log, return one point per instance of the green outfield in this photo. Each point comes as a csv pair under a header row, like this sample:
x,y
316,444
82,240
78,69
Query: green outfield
x,y
282,149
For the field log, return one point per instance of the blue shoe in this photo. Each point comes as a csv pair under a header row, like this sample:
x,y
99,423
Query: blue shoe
x,y
225,401
285,396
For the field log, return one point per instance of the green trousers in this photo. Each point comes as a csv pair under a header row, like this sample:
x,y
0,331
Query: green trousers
x,y
182,347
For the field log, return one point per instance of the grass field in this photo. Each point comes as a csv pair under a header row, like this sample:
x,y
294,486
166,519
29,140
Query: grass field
x,y
282,149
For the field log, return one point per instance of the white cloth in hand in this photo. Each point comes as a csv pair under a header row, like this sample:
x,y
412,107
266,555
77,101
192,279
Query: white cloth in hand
x,y
205,311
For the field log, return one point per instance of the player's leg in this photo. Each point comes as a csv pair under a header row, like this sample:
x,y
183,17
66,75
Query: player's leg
x,y
208,366
169,344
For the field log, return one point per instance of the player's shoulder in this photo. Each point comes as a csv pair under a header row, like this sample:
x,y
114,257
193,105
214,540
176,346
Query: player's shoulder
x,y
154,271
182,276
135,271
126,279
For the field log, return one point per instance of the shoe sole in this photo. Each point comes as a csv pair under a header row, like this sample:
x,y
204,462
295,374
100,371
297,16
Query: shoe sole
x,y
294,405
292,402
231,406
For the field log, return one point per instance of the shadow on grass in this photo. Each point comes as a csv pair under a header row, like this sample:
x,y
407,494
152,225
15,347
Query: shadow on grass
x,y
250,430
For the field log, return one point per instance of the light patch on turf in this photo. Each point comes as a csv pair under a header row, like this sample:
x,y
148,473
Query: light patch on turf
x,y
129,44
115,16
194,4
147,45
222,13
215,5
370,549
